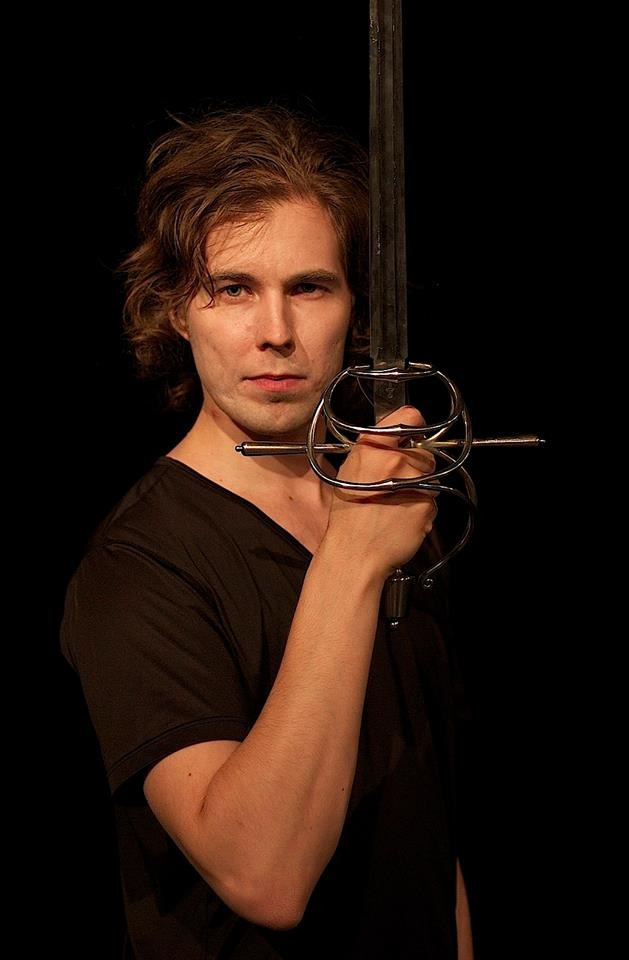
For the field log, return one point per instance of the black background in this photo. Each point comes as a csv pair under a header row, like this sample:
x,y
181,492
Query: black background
x,y
484,195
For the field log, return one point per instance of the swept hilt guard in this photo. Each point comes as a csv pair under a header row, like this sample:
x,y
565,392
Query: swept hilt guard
x,y
398,589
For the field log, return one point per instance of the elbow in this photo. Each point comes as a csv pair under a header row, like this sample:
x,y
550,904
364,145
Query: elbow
x,y
266,904
278,916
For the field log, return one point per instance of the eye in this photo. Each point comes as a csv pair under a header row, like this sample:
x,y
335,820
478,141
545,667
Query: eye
x,y
232,290
308,288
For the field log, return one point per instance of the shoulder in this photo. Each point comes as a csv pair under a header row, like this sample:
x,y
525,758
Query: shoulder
x,y
180,544
167,495
153,568
170,512
166,537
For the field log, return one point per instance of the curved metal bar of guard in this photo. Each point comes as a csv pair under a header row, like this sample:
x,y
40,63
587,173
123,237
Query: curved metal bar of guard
x,y
399,585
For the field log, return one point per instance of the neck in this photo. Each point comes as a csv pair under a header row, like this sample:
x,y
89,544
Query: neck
x,y
285,488
209,448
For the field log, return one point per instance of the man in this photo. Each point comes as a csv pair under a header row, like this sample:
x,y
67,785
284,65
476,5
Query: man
x,y
282,764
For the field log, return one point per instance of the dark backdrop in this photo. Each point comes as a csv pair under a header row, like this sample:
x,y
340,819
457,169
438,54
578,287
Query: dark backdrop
x,y
482,170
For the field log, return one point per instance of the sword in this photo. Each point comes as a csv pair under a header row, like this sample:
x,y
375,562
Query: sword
x,y
390,370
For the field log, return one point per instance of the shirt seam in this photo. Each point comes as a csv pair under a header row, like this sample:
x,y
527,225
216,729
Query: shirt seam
x,y
164,734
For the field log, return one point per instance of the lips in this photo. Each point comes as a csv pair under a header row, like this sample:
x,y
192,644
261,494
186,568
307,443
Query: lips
x,y
275,382
275,376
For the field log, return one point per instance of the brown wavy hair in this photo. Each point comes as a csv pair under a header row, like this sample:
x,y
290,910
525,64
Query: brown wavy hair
x,y
233,165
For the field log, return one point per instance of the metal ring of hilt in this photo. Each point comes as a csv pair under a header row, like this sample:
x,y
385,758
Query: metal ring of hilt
x,y
426,433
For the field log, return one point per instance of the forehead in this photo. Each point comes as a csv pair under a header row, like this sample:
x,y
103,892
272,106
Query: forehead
x,y
295,233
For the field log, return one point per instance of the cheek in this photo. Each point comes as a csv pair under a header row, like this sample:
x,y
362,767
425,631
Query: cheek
x,y
341,334
217,341
333,334
328,353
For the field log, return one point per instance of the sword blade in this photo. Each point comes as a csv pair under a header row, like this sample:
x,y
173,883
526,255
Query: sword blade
x,y
387,284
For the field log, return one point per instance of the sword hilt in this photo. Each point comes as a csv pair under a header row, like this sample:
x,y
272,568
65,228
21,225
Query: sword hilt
x,y
399,587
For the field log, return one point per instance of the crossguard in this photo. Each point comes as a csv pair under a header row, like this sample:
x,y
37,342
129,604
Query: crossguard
x,y
399,584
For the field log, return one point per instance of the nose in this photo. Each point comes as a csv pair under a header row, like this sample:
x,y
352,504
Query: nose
x,y
274,326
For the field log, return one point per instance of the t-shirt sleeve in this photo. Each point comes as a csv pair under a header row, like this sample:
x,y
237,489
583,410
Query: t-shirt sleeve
x,y
157,667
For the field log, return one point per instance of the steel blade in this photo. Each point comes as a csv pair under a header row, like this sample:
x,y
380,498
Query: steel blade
x,y
387,290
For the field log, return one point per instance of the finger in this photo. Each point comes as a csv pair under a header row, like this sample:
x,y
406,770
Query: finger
x,y
423,461
421,458
406,416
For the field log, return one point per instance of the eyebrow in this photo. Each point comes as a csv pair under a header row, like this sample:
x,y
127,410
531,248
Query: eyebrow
x,y
308,276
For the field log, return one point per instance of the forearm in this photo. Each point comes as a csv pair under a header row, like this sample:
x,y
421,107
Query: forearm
x,y
273,812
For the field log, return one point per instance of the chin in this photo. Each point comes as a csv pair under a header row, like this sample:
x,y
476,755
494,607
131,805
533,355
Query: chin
x,y
276,431
275,424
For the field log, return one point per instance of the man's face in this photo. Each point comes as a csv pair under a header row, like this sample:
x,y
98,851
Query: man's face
x,y
274,336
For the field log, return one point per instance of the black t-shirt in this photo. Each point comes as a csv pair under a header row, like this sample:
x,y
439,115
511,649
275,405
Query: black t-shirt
x,y
176,622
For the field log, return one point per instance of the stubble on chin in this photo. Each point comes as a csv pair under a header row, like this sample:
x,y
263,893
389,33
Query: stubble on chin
x,y
291,423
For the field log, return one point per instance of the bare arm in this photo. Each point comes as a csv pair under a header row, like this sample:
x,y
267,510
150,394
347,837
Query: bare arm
x,y
465,949
261,819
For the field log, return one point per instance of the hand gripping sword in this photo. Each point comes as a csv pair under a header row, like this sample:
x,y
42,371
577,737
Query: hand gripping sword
x,y
390,369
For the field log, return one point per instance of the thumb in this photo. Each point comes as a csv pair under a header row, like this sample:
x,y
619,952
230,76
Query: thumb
x,y
406,416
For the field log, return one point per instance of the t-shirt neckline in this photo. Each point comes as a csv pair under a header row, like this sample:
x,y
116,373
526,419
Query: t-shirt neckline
x,y
286,534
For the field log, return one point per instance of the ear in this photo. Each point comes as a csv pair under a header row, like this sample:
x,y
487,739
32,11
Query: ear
x,y
178,323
